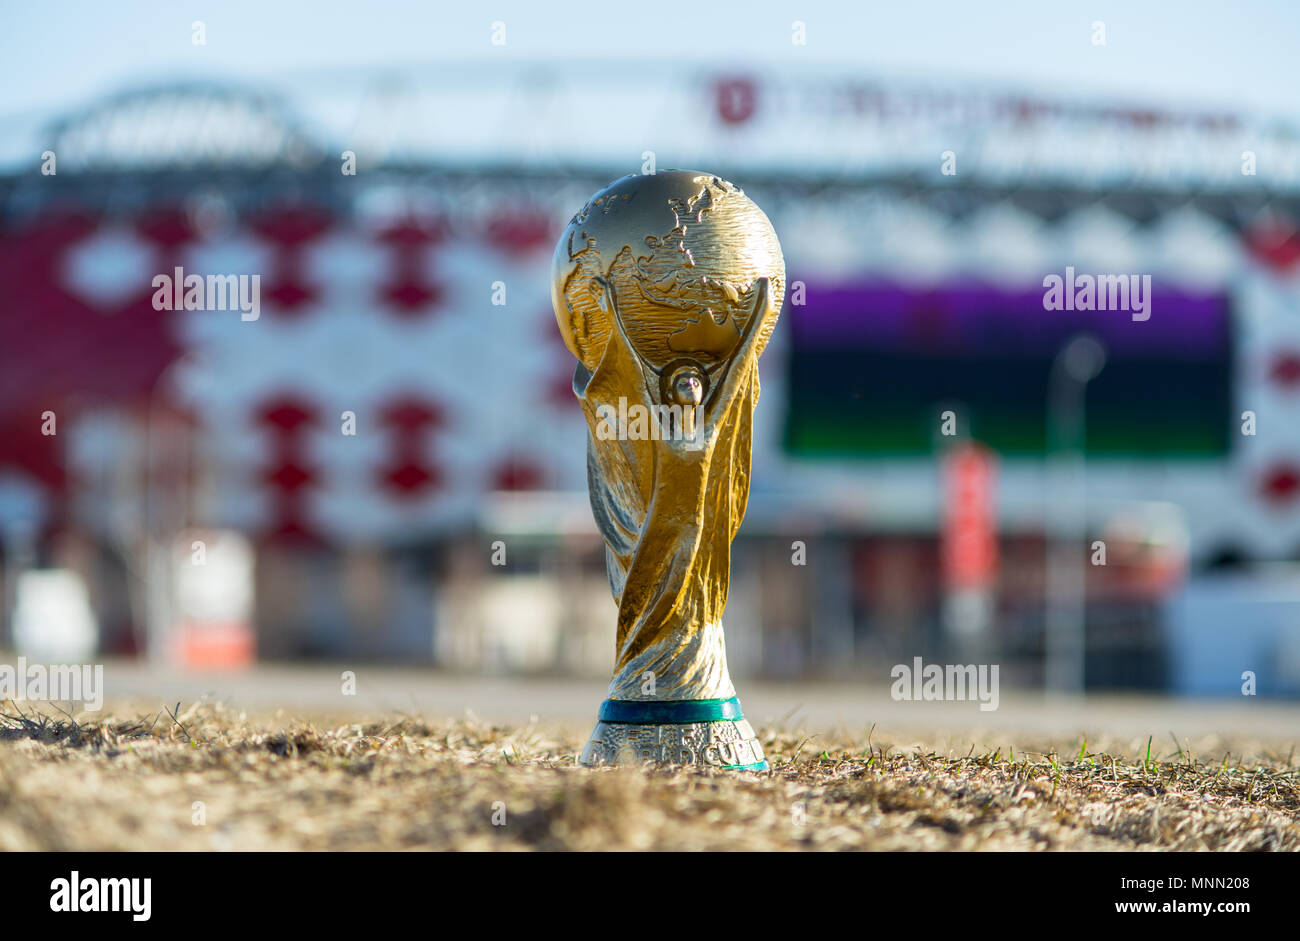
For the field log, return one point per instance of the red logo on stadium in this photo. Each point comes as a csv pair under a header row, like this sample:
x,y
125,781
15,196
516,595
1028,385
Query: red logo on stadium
x,y
737,100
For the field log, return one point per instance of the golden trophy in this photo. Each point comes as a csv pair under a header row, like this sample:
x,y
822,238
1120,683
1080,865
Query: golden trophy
x,y
666,288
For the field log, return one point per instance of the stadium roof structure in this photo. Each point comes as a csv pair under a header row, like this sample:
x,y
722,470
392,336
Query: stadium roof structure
x,y
546,117
180,125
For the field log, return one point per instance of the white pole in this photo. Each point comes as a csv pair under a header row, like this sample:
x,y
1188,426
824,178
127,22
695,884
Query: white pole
x,y
1079,361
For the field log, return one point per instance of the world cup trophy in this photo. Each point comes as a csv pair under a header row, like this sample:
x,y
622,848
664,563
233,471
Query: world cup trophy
x,y
666,288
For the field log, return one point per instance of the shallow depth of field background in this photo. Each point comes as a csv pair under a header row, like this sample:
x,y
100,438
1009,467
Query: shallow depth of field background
x,y
200,506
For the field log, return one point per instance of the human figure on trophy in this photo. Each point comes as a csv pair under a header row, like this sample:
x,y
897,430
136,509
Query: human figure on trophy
x,y
669,506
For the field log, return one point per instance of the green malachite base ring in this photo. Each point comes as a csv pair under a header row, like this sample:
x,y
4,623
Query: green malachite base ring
x,y
710,733
670,713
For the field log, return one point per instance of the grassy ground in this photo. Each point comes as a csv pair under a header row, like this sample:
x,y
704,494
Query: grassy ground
x,y
206,778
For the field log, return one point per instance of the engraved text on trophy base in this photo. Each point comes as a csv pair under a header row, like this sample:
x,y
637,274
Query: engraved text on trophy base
x,y
720,744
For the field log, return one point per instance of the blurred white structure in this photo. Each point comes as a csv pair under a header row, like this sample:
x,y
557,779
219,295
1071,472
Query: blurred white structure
x,y
52,620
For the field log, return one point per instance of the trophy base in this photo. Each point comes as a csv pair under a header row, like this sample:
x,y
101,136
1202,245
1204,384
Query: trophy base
x,y
708,733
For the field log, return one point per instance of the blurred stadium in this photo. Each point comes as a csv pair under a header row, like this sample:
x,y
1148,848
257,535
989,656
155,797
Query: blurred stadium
x,y
203,504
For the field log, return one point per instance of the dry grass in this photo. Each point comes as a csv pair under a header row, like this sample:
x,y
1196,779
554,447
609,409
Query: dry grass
x,y
402,783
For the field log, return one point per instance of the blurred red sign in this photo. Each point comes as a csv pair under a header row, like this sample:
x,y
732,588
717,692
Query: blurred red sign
x,y
970,545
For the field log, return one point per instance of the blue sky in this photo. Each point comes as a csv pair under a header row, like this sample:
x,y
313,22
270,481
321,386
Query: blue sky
x,y
1239,55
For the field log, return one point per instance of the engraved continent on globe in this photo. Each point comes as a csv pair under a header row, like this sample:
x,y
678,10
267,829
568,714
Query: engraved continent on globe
x,y
683,251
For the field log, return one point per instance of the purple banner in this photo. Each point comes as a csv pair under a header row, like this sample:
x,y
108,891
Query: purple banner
x,y
970,318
